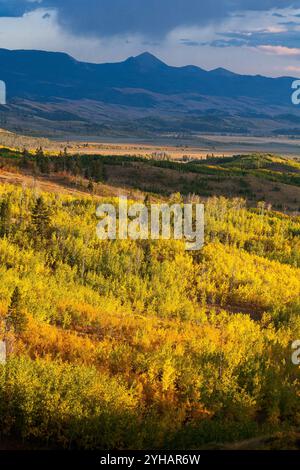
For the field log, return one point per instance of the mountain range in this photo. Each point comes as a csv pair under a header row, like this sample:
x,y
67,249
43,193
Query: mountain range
x,y
51,93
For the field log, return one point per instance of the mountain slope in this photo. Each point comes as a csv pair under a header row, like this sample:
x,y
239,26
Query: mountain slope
x,y
40,75
141,94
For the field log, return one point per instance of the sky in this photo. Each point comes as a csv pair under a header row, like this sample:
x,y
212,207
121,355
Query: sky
x,y
245,36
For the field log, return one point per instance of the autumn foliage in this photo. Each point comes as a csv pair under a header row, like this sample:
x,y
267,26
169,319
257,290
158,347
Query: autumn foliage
x,y
140,344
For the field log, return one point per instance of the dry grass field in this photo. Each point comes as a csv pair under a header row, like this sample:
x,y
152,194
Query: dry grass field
x,y
198,147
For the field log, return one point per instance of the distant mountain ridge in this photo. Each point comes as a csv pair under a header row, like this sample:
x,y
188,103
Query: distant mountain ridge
x,y
141,92
37,74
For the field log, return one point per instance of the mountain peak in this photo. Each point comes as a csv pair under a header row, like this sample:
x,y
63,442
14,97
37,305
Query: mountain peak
x,y
147,59
222,71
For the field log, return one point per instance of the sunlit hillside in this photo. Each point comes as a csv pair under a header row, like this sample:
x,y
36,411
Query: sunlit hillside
x,y
141,344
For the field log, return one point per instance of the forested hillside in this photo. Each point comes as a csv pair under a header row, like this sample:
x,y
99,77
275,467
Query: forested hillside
x,y
267,178
141,344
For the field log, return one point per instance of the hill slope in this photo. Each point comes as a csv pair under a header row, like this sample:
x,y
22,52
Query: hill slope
x,y
140,344
142,95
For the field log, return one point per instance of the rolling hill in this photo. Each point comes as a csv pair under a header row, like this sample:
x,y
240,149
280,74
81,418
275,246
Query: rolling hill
x,y
139,343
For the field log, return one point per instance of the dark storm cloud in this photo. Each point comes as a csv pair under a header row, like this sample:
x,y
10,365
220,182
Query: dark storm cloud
x,y
151,17
15,8
148,17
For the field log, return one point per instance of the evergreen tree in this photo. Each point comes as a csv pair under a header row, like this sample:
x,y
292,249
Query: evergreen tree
x,y
98,171
91,186
5,217
39,152
44,165
25,158
16,320
40,217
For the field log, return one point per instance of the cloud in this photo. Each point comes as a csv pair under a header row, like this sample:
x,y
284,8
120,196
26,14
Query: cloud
x,y
76,28
16,8
293,69
190,43
102,18
281,50
259,29
151,17
39,30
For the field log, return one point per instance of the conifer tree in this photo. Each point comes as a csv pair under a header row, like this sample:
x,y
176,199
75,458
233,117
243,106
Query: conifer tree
x,y
39,152
5,217
98,171
91,186
40,217
25,158
16,321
